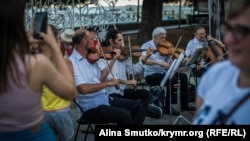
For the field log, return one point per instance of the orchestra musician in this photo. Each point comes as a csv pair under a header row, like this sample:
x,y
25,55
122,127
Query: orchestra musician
x,y
156,66
121,66
204,41
99,107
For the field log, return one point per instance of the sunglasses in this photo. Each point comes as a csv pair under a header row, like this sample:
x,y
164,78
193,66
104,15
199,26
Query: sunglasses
x,y
238,31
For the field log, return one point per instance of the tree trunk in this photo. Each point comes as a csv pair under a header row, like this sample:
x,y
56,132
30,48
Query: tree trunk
x,y
222,11
151,18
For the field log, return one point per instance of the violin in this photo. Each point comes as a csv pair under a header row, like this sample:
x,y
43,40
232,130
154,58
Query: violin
x,y
108,53
135,52
94,54
168,49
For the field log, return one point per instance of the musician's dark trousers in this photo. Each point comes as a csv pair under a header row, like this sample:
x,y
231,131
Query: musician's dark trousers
x,y
156,79
121,111
139,94
198,73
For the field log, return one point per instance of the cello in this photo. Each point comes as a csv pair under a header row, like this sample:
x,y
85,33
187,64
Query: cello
x,y
214,52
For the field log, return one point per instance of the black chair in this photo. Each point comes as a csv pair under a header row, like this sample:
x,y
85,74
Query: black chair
x,y
83,121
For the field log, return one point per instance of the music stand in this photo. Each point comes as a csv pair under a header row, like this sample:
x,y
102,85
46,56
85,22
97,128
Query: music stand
x,y
193,59
180,117
169,75
165,78
171,71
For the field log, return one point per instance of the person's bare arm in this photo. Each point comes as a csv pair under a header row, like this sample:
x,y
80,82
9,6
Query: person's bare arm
x,y
59,79
107,69
43,72
153,62
90,88
218,42
69,64
145,58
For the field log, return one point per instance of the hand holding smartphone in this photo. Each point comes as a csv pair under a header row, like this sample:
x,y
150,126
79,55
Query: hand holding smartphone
x,y
40,24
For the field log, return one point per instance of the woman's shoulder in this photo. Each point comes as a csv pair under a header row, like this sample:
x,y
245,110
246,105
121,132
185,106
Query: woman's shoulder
x,y
223,67
37,61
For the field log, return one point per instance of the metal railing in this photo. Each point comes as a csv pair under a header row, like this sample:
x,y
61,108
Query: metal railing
x,y
74,14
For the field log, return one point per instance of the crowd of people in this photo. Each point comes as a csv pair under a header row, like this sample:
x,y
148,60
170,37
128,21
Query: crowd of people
x,y
36,88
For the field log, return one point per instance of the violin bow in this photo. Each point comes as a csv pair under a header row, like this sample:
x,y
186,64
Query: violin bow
x,y
211,62
132,65
110,71
175,49
100,48
130,51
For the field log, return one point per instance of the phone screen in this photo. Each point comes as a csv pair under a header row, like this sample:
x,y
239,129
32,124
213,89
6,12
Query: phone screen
x,y
40,24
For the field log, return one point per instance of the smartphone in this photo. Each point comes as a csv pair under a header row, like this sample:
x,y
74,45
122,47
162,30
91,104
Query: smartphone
x,y
40,23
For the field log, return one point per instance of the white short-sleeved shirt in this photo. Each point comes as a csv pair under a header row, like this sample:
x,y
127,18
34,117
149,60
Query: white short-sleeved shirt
x,y
151,69
192,46
120,70
87,73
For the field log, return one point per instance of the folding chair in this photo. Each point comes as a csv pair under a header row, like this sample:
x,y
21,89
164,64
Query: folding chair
x,y
82,121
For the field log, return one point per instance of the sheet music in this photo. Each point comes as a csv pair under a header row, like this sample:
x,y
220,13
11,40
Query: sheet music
x,y
194,57
164,80
177,65
171,71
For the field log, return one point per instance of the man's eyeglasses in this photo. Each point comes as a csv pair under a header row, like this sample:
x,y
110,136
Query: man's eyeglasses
x,y
238,31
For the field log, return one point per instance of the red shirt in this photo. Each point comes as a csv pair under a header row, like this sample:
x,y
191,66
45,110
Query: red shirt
x,y
66,48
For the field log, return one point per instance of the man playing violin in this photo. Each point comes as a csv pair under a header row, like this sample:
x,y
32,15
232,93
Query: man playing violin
x,y
120,67
92,97
156,65
201,40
